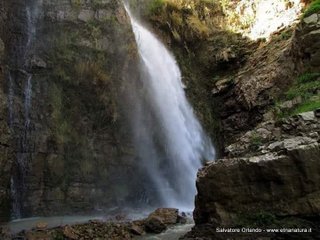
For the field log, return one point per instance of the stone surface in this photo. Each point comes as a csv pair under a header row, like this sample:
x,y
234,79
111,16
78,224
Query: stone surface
x,y
41,225
312,19
78,142
167,215
154,225
248,95
114,229
137,230
6,148
86,15
264,175
277,136
285,185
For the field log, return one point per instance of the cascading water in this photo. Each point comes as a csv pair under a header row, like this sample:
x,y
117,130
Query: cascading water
x,y
27,101
22,129
169,138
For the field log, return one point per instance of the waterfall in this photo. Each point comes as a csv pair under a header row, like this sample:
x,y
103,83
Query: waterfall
x,y
169,138
21,127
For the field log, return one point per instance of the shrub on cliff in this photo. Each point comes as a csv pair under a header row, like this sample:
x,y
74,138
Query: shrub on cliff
x,y
313,8
306,89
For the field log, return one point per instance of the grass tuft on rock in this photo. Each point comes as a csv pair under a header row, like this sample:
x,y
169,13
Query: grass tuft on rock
x,y
313,8
306,87
155,6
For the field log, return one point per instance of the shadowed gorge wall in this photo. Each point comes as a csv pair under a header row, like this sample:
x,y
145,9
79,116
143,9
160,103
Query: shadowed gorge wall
x,y
68,68
79,156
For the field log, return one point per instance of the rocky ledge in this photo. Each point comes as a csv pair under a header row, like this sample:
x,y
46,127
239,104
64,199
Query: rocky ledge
x,y
269,179
117,228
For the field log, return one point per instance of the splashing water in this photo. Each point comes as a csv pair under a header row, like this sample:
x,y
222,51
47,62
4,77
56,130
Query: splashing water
x,y
170,139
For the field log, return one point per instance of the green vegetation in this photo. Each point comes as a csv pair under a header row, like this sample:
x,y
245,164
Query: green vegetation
x,y
285,35
76,3
93,31
306,87
307,106
313,8
155,6
97,4
256,141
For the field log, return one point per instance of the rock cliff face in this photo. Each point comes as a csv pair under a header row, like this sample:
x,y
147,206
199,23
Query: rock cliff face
x,y
248,95
281,177
269,176
271,182
5,156
64,68
246,75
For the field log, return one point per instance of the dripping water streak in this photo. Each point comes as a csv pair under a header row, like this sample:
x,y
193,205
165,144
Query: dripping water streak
x,y
31,30
23,154
10,101
18,184
180,135
27,101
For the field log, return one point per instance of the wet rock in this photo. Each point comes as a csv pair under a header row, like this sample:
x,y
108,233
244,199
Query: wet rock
x,y
69,232
166,215
5,233
120,217
41,225
38,236
160,219
182,219
154,225
137,230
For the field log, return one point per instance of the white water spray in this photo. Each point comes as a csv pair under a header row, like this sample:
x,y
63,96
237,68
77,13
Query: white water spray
x,y
175,127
